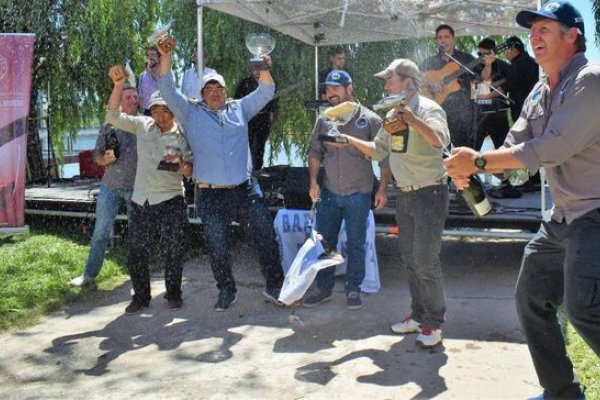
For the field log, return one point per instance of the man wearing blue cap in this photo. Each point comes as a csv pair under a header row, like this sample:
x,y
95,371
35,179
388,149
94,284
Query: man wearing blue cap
x,y
346,192
558,129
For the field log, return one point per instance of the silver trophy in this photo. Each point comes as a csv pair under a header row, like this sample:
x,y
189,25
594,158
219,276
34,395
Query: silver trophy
x,y
159,34
257,44
337,116
171,158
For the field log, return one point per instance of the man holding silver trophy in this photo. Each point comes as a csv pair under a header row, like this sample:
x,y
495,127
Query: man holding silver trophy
x,y
157,199
347,185
217,131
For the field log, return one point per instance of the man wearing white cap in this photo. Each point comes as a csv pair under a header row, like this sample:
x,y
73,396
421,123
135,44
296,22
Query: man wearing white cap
x,y
157,200
217,130
415,158
558,129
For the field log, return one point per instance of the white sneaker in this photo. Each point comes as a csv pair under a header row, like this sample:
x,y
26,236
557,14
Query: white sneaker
x,y
408,325
81,280
429,338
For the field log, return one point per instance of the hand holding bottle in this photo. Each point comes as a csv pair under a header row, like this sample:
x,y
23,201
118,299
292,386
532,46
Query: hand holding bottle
x,y
460,166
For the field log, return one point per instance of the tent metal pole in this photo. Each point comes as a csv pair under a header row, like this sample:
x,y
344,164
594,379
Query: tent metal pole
x,y
316,72
200,44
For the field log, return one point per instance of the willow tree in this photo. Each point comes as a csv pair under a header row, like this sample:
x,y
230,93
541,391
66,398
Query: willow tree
x,y
293,69
76,42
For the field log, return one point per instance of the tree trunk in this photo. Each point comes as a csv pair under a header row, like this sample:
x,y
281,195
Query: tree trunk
x,y
36,170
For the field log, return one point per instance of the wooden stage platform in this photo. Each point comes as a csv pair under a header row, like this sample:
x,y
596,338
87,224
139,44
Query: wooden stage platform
x,y
510,217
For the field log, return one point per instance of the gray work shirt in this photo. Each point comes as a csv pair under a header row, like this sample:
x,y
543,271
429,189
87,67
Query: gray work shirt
x,y
120,174
151,184
421,164
347,170
560,131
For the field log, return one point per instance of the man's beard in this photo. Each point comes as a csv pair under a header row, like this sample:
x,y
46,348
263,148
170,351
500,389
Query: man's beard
x,y
334,100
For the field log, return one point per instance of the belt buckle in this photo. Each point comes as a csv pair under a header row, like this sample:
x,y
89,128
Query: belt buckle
x,y
409,188
202,185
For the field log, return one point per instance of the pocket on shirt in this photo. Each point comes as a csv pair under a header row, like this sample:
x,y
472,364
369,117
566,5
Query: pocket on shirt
x,y
537,121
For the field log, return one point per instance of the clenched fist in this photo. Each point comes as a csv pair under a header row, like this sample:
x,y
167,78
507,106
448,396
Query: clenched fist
x,y
117,74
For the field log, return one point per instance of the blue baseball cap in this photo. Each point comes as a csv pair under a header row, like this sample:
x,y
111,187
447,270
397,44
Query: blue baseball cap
x,y
559,10
338,77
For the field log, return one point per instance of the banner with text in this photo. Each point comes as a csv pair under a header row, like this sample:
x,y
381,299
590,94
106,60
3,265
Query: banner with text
x,y
16,57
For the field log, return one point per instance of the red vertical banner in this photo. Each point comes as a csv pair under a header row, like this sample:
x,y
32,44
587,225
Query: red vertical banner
x,y
16,57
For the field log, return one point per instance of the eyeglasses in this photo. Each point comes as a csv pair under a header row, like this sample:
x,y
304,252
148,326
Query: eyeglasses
x,y
219,89
481,54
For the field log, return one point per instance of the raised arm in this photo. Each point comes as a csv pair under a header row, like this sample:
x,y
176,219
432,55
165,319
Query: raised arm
x,y
265,74
113,114
117,75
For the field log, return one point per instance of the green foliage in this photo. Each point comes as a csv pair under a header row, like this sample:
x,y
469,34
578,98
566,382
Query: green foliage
x,y
596,10
586,363
223,38
76,42
35,270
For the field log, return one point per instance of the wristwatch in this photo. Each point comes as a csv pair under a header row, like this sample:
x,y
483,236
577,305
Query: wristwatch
x,y
480,162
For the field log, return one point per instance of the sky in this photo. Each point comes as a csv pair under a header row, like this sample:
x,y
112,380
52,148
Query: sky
x,y
585,8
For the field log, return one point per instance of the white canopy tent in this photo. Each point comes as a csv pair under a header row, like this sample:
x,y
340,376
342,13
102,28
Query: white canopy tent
x,y
338,22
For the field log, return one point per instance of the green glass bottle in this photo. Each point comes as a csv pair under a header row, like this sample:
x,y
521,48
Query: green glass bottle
x,y
475,197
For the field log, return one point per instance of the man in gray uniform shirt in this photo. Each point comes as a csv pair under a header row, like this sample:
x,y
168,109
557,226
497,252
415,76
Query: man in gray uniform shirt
x,y
346,192
559,129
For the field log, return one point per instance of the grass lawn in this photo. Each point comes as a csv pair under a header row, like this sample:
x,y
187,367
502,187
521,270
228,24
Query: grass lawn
x,y
35,269
586,363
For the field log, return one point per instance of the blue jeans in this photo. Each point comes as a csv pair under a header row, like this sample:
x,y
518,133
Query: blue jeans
x,y
107,205
218,208
421,215
354,209
561,264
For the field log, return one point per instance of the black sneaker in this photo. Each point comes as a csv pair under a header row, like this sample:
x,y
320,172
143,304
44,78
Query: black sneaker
x,y
135,307
317,297
175,304
226,299
272,295
353,301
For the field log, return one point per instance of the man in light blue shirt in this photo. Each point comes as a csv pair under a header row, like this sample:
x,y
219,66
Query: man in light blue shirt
x,y
217,132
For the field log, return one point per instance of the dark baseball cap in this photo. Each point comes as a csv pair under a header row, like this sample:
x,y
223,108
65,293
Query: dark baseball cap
x,y
559,10
338,77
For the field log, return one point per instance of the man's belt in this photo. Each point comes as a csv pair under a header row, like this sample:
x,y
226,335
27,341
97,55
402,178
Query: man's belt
x,y
202,185
411,188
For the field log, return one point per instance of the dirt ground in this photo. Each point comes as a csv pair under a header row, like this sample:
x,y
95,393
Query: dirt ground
x,y
92,350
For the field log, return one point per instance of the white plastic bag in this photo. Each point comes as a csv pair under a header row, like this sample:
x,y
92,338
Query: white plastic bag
x,y
304,269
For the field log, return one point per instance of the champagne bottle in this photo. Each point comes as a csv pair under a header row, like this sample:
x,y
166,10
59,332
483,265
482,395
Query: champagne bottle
x,y
475,197
398,129
111,142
